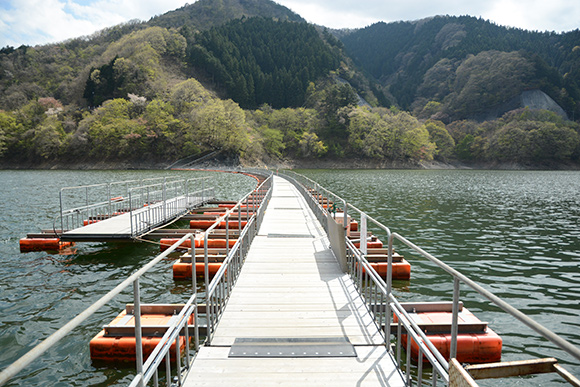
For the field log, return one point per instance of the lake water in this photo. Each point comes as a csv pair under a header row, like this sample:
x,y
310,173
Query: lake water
x,y
40,292
516,233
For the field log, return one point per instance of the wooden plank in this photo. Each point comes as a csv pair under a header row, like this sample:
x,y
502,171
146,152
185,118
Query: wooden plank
x,y
571,379
458,376
114,228
511,368
419,307
433,328
216,233
291,286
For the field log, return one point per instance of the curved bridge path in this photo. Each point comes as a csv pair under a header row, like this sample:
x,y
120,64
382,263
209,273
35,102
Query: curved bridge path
x,y
293,317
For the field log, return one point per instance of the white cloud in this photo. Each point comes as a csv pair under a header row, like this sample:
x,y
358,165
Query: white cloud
x,y
349,14
555,15
43,21
329,16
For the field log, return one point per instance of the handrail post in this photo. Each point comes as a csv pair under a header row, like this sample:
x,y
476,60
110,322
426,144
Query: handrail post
x,y
164,198
346,224
109,209
363,234
247,211
208,306
186,183
61,213
228,234
194,283
254,201
389,288
138,338
455,318
131,211
240,220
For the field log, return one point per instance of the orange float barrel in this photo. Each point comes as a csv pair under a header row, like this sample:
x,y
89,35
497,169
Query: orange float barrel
x,y
182,270
339,218
218,214
42,244
165,243
377,244
353,225
205,224
476,342
401,270
243,206
116,342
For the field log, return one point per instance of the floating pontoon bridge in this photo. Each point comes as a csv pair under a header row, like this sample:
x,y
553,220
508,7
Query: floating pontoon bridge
x,y
296,301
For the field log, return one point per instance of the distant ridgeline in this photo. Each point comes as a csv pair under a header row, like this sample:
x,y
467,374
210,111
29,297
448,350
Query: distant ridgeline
x,y
455,59
254,81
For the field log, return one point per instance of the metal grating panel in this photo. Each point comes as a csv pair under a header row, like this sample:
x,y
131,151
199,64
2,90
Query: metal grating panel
x,y
292,347
271,235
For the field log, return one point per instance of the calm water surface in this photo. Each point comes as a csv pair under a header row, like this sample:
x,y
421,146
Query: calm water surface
x,y
516,233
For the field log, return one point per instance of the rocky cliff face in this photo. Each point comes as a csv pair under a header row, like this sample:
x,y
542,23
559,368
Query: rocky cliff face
x,y
533,99
537,99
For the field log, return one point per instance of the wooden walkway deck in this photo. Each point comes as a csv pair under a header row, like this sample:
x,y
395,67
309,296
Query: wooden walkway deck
x,y
119,227
291,287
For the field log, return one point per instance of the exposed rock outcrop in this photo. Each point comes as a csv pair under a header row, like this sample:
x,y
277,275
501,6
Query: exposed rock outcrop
x,y
533,99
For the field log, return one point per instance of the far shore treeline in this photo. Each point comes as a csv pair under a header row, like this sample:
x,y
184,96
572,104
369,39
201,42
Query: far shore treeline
x,y
254,81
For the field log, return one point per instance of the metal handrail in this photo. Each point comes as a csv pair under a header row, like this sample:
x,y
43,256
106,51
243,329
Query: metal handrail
x,y
152,205
46,344
426,348
105,203
217,288
148,370
370,285
545,332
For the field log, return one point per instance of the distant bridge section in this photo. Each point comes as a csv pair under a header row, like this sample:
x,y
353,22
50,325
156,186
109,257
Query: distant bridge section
x,y
128,209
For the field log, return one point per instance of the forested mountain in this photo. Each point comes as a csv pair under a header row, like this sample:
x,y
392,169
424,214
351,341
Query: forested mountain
x,y
254,80
458,60
262,61
205,14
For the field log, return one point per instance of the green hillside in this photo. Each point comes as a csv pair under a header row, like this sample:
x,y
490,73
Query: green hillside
x,y
205,14
251,79
432,60
261,60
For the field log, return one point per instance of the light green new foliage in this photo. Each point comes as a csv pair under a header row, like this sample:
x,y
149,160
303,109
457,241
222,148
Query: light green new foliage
x,y
395,136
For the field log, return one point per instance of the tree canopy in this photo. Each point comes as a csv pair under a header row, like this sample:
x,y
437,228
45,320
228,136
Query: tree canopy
x,y
260,60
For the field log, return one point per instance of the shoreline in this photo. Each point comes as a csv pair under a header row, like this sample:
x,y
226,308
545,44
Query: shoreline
x,y
359,164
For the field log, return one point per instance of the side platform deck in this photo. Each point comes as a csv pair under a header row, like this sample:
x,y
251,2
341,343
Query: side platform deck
x,y
291,291
132,224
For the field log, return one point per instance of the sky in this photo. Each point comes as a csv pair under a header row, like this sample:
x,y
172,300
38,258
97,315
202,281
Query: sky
x,y
34,22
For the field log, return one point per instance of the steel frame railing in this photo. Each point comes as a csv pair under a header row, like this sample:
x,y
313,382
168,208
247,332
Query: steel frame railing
x,y
219,289
382,303
96,201
217,293
155,204
147,370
